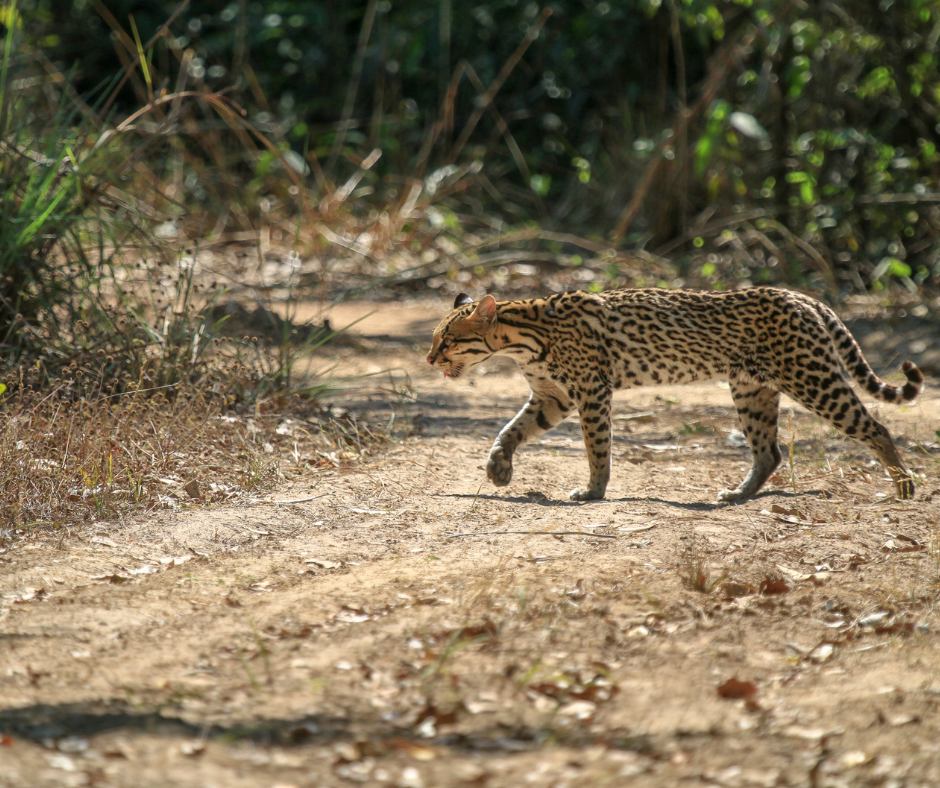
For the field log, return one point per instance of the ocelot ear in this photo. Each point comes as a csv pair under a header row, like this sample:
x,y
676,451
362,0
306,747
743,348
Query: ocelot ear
x,y
462,300
485,313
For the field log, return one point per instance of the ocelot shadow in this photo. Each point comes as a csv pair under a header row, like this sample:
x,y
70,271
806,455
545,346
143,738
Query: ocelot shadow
x,y
48,723
554,502
538,500
708,507
692,506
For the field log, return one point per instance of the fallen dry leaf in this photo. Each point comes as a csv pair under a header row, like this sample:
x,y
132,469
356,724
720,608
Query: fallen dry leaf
x,y
113,577
323,564
193,748
439,716
822,652
352,618
770,587
485,705
420,752
790,516
896,628
873,619
800,577
29,594
482,631
175,560
579,709
735,689
146,569
912,546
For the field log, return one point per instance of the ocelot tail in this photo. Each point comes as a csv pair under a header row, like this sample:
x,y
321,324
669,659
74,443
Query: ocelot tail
x,y
576,348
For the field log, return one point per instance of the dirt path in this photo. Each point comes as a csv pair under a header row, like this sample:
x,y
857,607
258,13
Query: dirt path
x,y
410,625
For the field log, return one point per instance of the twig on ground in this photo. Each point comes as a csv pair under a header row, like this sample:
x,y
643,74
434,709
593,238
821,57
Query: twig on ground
x,y
258,501
637,529
534,533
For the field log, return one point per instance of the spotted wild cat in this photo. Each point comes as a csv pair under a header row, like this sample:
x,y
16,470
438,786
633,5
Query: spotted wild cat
x,y
576,348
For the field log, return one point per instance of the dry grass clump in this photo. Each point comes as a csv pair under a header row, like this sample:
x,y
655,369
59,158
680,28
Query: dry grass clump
x,y
67,461
123,385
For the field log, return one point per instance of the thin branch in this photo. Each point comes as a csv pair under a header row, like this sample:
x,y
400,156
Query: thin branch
x,y
879,199
503,128
129,44
353,88
709,228
715,81
683,135
497,83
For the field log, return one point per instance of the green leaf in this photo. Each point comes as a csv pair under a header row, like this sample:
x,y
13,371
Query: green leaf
x,y
890,265
899,268
540,184
703,154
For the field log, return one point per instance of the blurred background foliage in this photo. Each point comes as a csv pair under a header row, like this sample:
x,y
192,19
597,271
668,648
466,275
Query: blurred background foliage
x,y
763,140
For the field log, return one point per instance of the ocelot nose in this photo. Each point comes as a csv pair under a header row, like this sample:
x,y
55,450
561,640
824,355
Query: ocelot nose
x,y
430,359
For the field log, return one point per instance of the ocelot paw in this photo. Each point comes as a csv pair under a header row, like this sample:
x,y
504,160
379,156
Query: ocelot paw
x,y
748,488
730,496
581,494
499,468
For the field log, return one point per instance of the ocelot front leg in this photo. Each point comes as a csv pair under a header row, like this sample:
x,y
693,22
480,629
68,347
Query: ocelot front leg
x,y
543,411
595,426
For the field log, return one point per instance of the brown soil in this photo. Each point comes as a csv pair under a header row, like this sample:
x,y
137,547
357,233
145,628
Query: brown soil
x,y
409,625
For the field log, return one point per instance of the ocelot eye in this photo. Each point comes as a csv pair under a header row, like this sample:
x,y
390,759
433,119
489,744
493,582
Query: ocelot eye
x,y
445,343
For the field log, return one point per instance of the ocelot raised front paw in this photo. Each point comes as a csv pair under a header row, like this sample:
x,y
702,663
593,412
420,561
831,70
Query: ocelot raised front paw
x,y
499,467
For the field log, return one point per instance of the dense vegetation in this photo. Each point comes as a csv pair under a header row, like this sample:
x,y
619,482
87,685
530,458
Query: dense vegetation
x,y
817,122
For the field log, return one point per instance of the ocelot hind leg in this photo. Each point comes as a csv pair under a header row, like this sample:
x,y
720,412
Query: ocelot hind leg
x,y
840,406
758,410
542,412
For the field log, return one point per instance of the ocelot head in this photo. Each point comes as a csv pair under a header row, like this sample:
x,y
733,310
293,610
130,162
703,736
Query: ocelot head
x,y
460,339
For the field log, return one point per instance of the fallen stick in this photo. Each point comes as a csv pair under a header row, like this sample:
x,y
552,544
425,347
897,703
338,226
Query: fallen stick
x,y
255,501
533,533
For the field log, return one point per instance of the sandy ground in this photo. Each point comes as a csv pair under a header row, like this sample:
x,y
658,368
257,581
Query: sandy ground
x,y
410,625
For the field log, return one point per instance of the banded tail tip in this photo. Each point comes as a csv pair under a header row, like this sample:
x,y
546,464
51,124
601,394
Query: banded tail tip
x,y
915,380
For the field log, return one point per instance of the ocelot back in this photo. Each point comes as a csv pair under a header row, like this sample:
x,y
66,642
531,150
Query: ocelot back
x,y
576,348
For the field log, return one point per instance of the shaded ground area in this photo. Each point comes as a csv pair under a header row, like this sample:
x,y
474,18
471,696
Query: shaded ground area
x,y
405,624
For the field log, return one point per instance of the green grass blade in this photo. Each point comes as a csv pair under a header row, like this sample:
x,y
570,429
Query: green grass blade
x,y
9,16
33,228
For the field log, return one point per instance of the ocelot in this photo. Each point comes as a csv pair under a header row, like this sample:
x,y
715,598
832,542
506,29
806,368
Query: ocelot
x,y
575,349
